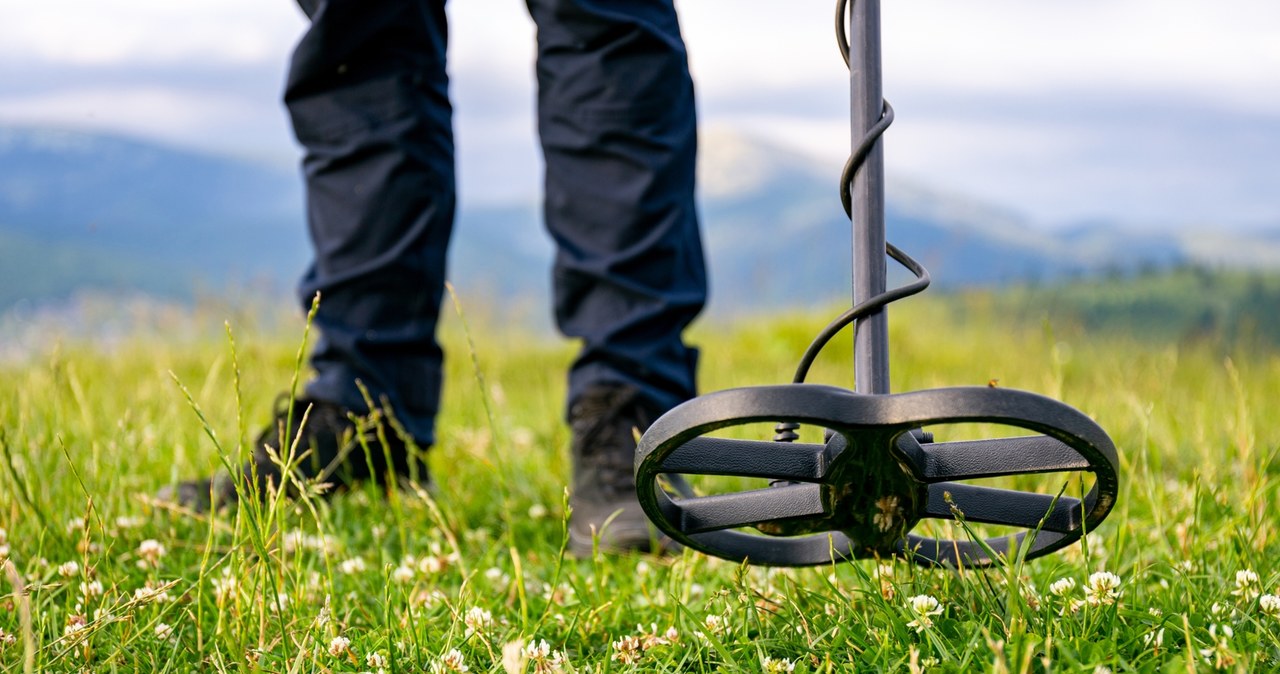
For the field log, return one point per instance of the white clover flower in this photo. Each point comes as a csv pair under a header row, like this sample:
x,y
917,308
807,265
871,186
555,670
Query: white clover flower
x,y
537,511
69,569
403,575
1031,596
556,662
1154,639
150,593
376,660
4,551
7,639
75,524
493,574
293,541
324,616
477,620
432,564
339,645
559,594
884,574
627,650
1185,566
537,650
130,522
150,551
451,662
650,638
1219,655
427,599
777,666
296,541
353,566
716,624
163,631
75,623
325,543
91,589
886,512
1221,611
1269,604
280,604
1062,587
1102,589
1247,583
544,659
522,437
1102,669
225,587
713,624
923,607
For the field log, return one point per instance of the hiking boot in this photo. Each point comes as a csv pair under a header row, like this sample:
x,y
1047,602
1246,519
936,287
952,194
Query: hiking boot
x,y
328,453
605,422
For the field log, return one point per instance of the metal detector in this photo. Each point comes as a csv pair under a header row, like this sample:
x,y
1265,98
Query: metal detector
x,y
876,472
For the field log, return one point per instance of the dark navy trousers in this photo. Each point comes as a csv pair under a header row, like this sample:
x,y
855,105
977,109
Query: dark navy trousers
x,y
367,93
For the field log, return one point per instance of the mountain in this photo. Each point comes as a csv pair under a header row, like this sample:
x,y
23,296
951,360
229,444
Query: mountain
x,y
81,210
778,236
107,212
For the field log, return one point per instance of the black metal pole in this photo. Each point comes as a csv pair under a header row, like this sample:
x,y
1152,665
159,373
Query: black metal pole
x,y
871,346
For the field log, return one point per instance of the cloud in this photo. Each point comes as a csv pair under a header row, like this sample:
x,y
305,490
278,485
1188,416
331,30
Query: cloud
x,y
1011,46
133,32
1063,158
1063,109
223,122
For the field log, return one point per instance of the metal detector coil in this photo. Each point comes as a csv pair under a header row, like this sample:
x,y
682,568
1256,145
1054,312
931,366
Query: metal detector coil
x,y
877,473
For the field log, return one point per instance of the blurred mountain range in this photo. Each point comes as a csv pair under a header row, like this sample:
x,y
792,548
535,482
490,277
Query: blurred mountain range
x,y
82,211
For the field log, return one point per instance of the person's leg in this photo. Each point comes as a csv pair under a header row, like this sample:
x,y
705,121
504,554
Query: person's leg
x,y
617,125
367,95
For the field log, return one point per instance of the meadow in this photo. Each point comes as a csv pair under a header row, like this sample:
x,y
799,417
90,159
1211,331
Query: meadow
x,y
473,576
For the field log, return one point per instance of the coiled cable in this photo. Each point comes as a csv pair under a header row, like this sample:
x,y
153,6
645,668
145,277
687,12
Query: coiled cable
x,y
851,167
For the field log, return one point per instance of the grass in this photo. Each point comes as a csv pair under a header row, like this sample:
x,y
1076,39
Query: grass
x,y
474,574
1183,302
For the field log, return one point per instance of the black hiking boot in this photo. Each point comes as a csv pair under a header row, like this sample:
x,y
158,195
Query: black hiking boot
x,y
329,454
605,422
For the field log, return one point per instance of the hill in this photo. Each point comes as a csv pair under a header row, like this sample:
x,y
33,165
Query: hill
x,y
92,211
147,212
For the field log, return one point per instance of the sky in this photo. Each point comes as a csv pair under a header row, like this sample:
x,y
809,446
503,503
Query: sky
x,y
1153,113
